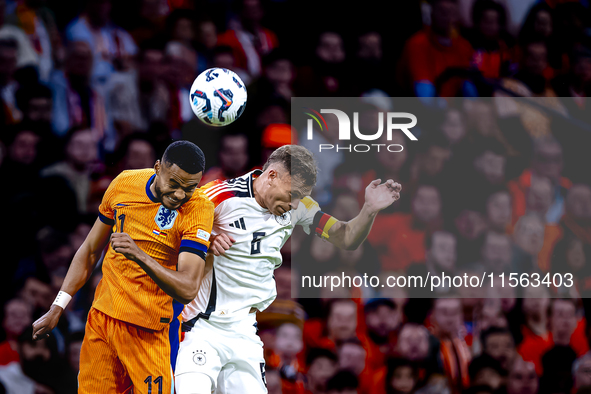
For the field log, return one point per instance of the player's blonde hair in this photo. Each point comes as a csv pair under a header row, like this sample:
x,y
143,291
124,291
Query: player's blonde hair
x,y
297,160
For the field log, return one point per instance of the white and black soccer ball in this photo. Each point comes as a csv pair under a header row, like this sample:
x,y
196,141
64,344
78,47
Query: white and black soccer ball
x,y
218,96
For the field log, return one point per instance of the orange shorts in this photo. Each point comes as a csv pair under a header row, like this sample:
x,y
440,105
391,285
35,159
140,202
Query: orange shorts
x,y
118,357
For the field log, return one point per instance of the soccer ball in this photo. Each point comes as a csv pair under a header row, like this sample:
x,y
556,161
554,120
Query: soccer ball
x,y
218,96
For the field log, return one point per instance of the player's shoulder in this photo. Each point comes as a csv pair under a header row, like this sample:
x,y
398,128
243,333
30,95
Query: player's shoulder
x,y
309,203
220,191
200,200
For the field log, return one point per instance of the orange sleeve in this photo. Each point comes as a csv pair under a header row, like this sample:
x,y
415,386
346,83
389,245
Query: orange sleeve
x,y
197,227
106,210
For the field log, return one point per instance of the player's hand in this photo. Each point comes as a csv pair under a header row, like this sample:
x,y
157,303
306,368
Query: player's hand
x,y
379,196
122,243
46,323
220,243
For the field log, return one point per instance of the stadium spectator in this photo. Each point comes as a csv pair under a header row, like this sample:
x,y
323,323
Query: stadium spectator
x,y
498,211
322,365
37,292
233,159
369,61
382,319
137,152
248,39
18,315
582,371
413,342
574,87
454,352
546,162
111,46
401,377
406,232
577,217
8,86
206,42
430,159
540,25
572,255
343,382
454,126
26,55
150,21
73,358
522,378
498,343
492,53
486,371
496,252
38,22
273,379
80,156
38,369
287,347
276,81
35,103
324,76
528,239
75,102
431,51
564,331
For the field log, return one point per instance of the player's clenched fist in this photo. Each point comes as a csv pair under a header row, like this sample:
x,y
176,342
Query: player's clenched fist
x,y
122,243
220,243
46,323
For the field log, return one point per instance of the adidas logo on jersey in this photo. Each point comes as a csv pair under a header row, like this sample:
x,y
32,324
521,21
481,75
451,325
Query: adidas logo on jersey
x,y
239,224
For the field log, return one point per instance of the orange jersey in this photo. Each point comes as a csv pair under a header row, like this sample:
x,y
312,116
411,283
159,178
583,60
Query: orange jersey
x,y
126,292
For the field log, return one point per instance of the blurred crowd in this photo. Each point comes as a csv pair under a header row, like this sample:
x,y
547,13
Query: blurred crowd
x,y
498,180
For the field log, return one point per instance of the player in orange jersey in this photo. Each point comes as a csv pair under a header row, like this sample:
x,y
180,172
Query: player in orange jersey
x,y
158,224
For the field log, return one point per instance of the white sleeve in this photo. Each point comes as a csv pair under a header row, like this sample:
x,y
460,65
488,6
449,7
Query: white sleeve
x,y
304,214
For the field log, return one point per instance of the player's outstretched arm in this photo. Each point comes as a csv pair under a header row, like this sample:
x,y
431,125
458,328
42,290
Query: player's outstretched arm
x,y
349,235
83,264
182,285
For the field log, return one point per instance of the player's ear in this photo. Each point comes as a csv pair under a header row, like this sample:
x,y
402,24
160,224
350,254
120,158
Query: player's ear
x,y
157,167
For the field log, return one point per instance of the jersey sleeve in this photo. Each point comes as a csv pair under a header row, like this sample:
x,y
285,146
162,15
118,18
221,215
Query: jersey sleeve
x,y
106,210
310,217
197,228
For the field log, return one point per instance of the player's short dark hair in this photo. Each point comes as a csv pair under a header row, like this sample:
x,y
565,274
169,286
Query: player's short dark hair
x,y
494,331
342,380
482,362
316,353
185,154
297,160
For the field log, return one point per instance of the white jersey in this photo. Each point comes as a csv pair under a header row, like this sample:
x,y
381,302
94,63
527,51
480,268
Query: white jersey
x,y
243,277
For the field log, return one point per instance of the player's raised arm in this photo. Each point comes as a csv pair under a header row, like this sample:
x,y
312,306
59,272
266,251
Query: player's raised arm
x,y
349,235
83,264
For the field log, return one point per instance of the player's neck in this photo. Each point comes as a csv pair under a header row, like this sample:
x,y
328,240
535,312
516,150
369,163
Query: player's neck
x,y
153,189
256,185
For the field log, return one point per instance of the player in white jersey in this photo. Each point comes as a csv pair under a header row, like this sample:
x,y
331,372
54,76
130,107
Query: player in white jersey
x,y
254,216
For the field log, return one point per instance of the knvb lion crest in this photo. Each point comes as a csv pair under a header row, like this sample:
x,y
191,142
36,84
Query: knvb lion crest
x,y
165,218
